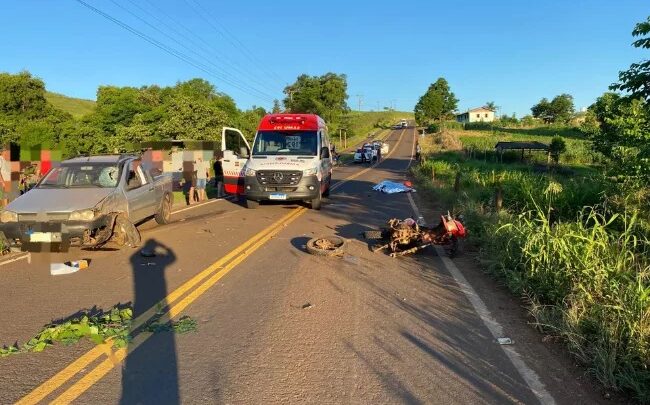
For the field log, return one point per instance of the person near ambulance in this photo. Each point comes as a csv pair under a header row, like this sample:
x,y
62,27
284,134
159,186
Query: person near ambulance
x,y
290,160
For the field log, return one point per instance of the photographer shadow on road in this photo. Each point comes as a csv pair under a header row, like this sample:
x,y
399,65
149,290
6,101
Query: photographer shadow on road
x,y
150,372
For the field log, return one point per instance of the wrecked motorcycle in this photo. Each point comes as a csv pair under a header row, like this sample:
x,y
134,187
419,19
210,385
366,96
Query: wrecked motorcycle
x,y
404,237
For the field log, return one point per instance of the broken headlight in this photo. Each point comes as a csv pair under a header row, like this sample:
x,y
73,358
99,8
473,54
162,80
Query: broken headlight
x,y
83,215
8,216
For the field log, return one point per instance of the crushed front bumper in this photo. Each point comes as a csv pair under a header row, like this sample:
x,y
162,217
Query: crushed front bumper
x,y
31,234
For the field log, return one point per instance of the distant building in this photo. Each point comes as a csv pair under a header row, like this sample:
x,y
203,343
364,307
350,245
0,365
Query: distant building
x,y
480,114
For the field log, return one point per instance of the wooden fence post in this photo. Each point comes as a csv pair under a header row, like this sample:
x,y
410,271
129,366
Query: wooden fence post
x,y
433,173
498,198
457,182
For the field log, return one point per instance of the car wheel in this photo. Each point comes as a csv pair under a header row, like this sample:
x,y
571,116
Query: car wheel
x,y
326,246
164,214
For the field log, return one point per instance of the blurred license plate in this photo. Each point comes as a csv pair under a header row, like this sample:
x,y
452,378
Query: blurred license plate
x,y
277,196
45,237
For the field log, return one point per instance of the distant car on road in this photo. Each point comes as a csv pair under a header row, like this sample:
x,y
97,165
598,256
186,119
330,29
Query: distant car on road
x,y
363,154
404,124
85,201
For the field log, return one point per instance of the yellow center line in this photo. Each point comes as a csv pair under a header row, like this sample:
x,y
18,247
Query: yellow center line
x,y
82,362
107,365
225,264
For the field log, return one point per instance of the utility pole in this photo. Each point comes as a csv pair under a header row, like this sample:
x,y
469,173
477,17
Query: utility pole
x,y
340,140
360,99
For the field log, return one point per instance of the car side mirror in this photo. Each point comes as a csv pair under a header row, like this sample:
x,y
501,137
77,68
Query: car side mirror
x,y
324,152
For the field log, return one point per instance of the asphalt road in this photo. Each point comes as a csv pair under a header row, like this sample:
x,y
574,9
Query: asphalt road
x,y
277,325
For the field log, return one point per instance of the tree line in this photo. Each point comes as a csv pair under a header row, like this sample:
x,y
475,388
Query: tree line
x,y
125,116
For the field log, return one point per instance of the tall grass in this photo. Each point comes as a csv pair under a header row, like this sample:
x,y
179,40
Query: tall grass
x,y
588,282
574,243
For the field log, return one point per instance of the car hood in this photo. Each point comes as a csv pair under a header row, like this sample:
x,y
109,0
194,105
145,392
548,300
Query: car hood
x,y
58,200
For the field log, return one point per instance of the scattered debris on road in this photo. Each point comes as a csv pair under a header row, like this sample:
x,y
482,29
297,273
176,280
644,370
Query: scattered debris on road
x,y
100,327
326,246
391,187
403,237
505,341
58,269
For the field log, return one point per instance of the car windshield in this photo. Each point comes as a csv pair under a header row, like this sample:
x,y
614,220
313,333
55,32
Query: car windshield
x,y
286,143
82,175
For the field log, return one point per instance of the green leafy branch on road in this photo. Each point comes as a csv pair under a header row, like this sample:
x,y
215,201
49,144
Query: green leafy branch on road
x,y
112,326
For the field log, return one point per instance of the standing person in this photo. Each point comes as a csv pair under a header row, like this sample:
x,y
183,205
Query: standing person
x,y
202,174
379,153
189,179
5,177
418,151
218,177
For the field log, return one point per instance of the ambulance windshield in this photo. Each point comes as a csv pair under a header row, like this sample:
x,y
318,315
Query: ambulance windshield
x,y
286,143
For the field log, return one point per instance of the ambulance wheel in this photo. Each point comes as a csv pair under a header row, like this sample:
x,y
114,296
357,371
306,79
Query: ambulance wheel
x,y
316,202
252,204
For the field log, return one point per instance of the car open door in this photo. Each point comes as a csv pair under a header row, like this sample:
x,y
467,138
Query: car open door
x,y
235,151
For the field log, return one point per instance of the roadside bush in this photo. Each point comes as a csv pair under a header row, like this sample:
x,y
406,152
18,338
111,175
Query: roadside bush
x,y
556,147
478,126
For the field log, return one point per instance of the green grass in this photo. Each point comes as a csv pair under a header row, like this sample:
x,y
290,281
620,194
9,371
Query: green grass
x,y
75,106
367,123
482,142
571,241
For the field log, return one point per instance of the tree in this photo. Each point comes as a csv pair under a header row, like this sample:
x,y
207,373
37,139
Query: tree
x,y
324,95
636,80
436,104
623,133
491,105
560,109
22,94
193,119
556,147
276,107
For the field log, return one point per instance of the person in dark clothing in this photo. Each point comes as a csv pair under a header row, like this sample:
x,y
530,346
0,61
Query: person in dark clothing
x,y
218,177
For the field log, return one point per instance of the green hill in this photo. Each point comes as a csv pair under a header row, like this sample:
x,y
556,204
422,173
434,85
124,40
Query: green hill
x,y
75,106
363,123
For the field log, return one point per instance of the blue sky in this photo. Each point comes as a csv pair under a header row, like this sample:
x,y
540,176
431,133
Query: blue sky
x,y
511,52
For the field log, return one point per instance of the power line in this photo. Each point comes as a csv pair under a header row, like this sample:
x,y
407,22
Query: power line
x,y
173,52
234,42
223,71
206,51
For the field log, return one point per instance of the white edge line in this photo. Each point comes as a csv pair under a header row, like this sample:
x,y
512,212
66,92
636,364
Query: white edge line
x,y
529,375
27,256
191,207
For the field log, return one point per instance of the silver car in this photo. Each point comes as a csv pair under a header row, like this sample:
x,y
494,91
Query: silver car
x,y
81,201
